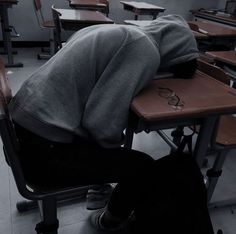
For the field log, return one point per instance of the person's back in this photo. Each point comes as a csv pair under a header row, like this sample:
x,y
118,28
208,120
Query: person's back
x,y
75,92
101,67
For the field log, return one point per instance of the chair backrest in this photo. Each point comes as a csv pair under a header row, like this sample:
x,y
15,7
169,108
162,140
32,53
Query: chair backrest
x,y
213,71
38,12
106,2
193,26
57,31
38,5
8,135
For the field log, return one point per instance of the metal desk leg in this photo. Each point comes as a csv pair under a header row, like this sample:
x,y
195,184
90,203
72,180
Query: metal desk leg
x,y
215,172
204,138
154,16
129,135
129,131
6,33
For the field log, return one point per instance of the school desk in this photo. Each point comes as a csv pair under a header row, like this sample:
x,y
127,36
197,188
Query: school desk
x,y
214,30
215,16
142,8
74,19
227,57
99,5
203,100
217,34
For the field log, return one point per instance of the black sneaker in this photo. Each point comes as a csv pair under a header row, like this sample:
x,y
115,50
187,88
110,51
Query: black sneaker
x,y
95,219
98,196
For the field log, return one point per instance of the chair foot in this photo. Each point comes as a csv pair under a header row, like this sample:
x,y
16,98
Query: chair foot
x,y
43,56
45,228
24,206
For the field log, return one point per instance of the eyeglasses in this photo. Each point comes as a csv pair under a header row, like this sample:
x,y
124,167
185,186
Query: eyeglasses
x,y
170,95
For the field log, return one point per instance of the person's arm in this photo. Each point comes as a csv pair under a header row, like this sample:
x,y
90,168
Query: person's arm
x,y
184,70
107,109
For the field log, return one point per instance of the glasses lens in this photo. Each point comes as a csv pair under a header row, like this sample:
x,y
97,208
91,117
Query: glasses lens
x,y
176,102
165,92
173,101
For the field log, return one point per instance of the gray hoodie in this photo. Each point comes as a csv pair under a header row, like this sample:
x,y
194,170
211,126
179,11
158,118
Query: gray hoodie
x,y
86,88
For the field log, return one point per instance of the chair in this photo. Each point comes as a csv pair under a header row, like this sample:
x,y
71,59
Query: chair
x,y
46,199
223,141
106,10
231,71
225,135
45,24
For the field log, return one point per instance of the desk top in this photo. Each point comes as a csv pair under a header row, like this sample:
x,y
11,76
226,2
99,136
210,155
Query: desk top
x,y
214,30
88,3
228,57
83,16
8,2
199,35
226,19
202,95
143,6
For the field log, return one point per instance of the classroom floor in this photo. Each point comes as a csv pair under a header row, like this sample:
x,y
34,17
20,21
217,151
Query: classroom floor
x,y
73,217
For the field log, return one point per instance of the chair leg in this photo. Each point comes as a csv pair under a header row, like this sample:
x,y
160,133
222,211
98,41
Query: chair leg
x,y
214,173
44,56
177,135
52,42
51,51
48,212
77,196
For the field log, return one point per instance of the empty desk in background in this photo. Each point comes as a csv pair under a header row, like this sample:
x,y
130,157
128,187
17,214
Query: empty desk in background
x,y
72,19
99,5
226,60
216,32
199,36
142,8
6,31
215,16
204,101
227,57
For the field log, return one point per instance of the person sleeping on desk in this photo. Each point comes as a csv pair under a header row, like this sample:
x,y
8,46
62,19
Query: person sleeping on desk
x,y
71,113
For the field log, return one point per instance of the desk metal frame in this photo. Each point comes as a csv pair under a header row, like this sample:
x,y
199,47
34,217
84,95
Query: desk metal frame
x,y
151,113
205,136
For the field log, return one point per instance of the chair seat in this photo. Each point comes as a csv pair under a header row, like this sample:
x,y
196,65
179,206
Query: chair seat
x,y
48,24
226,134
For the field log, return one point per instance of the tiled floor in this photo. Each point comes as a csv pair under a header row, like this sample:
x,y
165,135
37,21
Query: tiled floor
x,y
74,217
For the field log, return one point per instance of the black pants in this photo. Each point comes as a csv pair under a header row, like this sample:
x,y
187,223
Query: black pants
x,y
51,164
167,195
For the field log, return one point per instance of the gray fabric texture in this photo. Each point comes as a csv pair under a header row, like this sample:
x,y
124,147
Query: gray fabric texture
x,y
86,89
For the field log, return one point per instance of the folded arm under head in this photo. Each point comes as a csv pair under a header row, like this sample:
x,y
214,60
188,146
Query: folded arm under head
x,y
184,70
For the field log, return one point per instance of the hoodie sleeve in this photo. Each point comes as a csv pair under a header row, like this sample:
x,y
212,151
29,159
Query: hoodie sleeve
x,y
129,70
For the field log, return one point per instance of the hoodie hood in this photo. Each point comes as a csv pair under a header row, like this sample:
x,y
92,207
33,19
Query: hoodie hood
x,y
173,38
